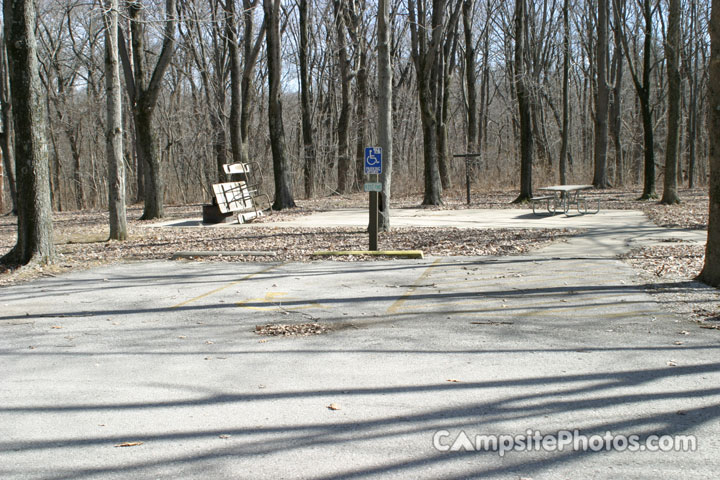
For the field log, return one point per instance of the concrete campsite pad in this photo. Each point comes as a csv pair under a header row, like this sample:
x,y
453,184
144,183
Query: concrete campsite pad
x,y
163,357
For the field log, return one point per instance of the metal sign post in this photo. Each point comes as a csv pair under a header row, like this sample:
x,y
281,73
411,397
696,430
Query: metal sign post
x,y
373,168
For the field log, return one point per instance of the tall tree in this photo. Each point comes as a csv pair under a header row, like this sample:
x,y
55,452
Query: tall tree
x,y
144,91
357,29
711,271
231,25
251,50
673,45
6,136
471,143
522,91
309,161
643,81
385,109
343,126
114,127
281,163
426,54
35,228
616,75
565,94
602,97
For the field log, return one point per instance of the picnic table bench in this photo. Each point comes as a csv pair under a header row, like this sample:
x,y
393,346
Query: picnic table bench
x,y
562,197
239,198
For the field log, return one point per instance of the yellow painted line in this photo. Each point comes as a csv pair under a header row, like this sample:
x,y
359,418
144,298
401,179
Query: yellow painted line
x,y
400,301
232,284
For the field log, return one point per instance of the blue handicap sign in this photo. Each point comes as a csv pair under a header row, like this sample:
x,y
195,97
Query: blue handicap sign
x,y
373,161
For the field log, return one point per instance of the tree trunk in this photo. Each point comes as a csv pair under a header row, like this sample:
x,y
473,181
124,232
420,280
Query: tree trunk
x,y
144,94
602,94
523,98
251,52
361,100
672,55
471,143
384,108
343,128
309,169
649,143
35,228
711,271
615,120
426,54
281,163
565,94
6,136
114,127
235,81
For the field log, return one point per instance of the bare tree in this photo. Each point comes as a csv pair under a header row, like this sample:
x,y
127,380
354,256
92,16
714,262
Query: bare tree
x,y
643,87
711,271
522,91
252,43
6,136
672,151
114,127
602,97
309,161
565,128
426,54
231,25
616,75
385,108
281,163
35,228
144,91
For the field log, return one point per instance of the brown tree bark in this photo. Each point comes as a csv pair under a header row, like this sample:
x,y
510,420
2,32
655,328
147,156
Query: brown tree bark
x,y
385,108
35,227
426,52
251,50
281,163
309,160
672,151
343,127
565,95
711,270
6,136
144,93
523,99
231,25
114,127
615,120
602,97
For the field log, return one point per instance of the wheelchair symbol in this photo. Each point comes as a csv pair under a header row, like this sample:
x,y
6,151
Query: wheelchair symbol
x,y
372,160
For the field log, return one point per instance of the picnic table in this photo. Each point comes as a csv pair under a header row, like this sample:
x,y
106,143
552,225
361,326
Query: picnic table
x,y
563,197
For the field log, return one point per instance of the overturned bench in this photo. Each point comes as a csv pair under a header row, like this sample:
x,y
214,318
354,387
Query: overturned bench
x,y
235,199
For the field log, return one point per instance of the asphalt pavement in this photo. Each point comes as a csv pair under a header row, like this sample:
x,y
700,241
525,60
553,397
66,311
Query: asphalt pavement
x,y
155,369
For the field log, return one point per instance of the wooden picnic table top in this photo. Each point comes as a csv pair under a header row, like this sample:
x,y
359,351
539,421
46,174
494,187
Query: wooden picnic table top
x,y
566,188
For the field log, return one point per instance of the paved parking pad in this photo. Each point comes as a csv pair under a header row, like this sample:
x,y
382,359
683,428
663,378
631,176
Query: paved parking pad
x,y
163,357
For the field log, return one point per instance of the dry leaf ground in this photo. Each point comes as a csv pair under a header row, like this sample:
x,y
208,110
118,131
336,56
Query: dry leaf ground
x,y
81,237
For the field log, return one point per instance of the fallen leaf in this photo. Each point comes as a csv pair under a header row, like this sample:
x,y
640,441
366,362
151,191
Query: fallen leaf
x,y
129,444
453,380
56,327
224,436
333,406
672,363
